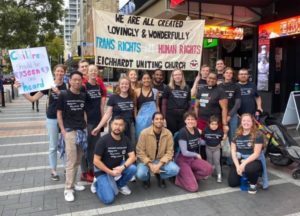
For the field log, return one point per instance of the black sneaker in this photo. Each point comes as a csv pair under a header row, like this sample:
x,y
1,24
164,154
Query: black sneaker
x,y
252,189
54,177
146,184
160,182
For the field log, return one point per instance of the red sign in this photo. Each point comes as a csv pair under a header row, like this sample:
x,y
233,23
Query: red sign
x,y
285,27
224,32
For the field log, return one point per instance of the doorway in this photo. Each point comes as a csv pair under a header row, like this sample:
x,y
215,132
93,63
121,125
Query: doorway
x,y
284,69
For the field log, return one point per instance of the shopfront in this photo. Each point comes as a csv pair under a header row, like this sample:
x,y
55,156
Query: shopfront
x,y
278,60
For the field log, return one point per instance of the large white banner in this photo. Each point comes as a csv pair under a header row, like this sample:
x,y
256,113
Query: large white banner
x,y
146,43
32,69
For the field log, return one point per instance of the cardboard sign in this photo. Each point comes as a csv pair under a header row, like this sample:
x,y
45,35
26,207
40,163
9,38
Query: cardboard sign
x,y
32,69
146,43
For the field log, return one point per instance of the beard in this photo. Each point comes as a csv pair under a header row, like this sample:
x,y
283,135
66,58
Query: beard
x,y
116,132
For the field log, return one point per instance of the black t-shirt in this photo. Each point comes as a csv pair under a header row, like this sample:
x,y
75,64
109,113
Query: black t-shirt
x,y
220,78
161,89
202,83
178,98
93,103
112,151
191,139
233,92
244,144
209,98
212,137
73,108
121,106
248,95
52,101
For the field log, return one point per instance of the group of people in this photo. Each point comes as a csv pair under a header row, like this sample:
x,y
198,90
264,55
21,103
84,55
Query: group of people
x,y
154,128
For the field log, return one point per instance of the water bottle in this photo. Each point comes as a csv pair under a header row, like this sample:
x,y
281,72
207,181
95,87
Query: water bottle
x,y
244,183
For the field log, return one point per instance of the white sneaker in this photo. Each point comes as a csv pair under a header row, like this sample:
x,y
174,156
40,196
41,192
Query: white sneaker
x,y
93,186
69,195
125,190
133,179
219,178
78,187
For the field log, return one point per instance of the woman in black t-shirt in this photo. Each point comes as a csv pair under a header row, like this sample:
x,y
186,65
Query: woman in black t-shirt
x,y
146,102
52,127
192,166
246,148
176,101
120,104
233,93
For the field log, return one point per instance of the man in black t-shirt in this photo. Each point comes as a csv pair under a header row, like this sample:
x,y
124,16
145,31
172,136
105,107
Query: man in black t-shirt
x,y
113,159
250,99
200,80
71,117
158,83
220,68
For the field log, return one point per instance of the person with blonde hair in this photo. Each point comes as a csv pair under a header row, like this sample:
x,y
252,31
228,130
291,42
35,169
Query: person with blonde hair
x,y
246,149
94,109
133,77
51,109
119,104
176,101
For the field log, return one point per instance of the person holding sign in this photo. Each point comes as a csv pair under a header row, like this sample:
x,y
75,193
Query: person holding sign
x,y
119,104
51,109
176,101
146,101
71,117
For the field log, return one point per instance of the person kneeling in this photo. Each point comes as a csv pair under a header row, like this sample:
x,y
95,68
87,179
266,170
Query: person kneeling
x,y
246,149
155,150
113,160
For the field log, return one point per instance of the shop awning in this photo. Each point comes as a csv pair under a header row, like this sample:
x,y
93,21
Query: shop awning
x,y
248,3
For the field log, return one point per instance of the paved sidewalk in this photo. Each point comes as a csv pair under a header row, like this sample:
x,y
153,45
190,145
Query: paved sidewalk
x,y
26,188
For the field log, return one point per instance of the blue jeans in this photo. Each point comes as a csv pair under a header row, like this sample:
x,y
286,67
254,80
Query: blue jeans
x,y
233,124
107,187
170,170
52,128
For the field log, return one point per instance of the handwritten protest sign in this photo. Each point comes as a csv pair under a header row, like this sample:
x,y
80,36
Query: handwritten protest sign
x,y
31,68
147,43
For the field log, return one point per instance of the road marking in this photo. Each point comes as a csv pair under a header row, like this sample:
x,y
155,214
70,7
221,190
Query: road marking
x,y
21,144
24,155
25,117
27,169
24,135
293,214
286,176
161,200
36,189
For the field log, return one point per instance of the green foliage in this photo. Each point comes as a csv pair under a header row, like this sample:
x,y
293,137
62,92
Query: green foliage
x,y
26,22
55,49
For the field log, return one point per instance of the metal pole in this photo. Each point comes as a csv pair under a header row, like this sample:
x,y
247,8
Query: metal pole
x,y
81,28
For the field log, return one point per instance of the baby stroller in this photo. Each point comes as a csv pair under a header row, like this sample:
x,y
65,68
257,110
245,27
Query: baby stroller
x,y
282,149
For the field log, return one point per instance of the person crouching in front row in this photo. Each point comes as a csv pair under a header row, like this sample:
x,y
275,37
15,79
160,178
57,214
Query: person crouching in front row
x,y
113,159
155,150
